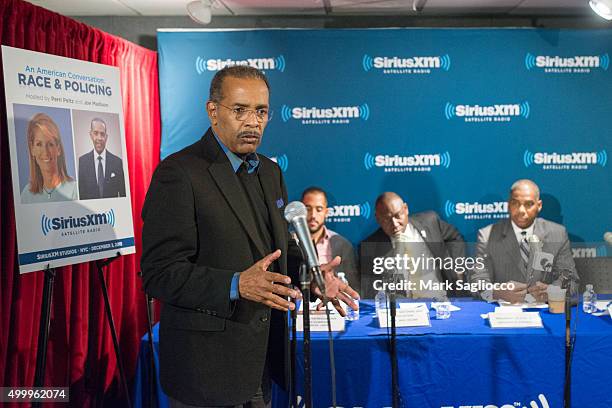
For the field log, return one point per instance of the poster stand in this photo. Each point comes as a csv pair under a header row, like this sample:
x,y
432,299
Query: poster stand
x,y
109,316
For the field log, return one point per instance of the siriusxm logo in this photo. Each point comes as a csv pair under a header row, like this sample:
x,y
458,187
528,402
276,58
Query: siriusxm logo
x,y
487,113
331,115
406,65
265,64
560,65
282,161
543,403
476,210
414,163
345,213
565,161
590,252
48,225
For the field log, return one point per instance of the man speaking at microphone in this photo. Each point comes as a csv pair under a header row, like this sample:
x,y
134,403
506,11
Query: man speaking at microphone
x,y
508,247
215,254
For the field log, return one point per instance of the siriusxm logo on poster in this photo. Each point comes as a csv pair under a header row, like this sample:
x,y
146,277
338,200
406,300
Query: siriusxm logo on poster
x,y
565,161
578,64
282,161
406,65
476,210
324,116
346,213
215,64
543,403
415,163
76,225
487,113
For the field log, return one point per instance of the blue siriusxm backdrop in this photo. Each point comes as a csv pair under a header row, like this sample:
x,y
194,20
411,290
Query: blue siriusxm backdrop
x,y
448,118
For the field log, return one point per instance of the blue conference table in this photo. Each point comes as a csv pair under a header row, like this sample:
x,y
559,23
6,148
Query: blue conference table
x,y
459,362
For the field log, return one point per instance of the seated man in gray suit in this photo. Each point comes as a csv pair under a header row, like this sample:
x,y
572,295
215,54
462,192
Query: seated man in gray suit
x,y
422,235
528,251
328,243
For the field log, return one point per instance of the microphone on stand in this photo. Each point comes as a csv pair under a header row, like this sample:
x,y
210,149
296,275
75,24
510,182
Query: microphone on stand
x,y
295,214
535,246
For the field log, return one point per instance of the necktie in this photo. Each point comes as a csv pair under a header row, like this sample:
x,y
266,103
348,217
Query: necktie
x,y
524,248
100,177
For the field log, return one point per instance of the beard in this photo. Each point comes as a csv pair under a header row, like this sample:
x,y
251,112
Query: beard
x,y
315,229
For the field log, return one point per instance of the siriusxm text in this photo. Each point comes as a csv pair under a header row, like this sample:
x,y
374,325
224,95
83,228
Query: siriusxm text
x,y
416,160
478,208
325,113
493,110
60,223
413,62
259,63
344,211
584,61
569,158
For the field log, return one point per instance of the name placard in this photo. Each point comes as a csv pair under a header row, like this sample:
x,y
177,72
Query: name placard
x,y
405,317
318,321
515,320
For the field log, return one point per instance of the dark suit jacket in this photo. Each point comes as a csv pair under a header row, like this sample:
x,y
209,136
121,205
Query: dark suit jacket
x,y
198,231
442,239
498,246
114,181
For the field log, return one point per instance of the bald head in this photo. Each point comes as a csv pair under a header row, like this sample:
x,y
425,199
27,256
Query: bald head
x,y
527,185
524,203
391,213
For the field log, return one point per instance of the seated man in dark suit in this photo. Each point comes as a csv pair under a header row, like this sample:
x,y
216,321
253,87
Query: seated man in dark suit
x,y
329,244
422,235
100,171
528,251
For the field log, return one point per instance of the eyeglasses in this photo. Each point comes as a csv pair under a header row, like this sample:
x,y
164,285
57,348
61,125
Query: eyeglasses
x,y
242,114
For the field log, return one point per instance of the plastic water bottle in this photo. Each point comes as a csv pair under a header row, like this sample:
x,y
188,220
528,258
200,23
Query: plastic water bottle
x,y
588,300
443,311
380,301
350,313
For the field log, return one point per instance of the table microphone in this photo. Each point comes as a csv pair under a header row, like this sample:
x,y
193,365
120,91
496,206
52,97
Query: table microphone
x,y
295,214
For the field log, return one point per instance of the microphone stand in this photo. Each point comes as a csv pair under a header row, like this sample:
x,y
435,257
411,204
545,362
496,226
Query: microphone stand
x,y
567,386
393,350
305,287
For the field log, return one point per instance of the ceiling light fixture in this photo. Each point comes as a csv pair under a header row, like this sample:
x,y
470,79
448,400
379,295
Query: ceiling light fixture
x,y
200,11
602,7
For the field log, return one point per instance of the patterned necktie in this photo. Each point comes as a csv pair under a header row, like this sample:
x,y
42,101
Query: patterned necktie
x,y
100,177
524,248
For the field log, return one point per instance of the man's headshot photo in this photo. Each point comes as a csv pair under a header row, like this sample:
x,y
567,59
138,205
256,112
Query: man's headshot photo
x,y
98,142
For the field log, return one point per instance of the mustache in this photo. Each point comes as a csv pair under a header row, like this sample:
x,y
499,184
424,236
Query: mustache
x,y
249,134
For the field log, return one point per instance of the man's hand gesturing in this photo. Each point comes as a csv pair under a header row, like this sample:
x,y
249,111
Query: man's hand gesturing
x,y
259,285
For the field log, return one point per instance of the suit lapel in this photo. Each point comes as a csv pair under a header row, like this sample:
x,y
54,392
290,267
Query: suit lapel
x,y
540,232
511,246
227,181
279,225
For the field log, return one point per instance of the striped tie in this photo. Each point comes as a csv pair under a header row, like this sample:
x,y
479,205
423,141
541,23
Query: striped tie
x,y
524,248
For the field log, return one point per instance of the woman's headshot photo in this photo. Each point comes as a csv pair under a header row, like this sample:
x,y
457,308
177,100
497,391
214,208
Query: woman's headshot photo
x,y
49,179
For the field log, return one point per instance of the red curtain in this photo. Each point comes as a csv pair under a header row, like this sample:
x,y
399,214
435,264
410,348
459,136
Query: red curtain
x,y
80,351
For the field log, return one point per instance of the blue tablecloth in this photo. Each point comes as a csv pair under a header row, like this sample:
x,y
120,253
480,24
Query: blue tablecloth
x,y
459,362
